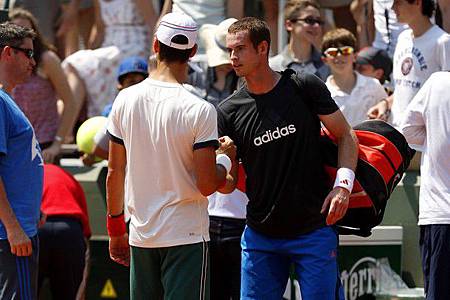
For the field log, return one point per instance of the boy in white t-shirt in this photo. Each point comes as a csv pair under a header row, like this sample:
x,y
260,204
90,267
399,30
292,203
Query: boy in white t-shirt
x,y
164,140
353,93
421,50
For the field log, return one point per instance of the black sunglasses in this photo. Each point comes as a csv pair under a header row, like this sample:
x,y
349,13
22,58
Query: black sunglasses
x,y
309,21
28,52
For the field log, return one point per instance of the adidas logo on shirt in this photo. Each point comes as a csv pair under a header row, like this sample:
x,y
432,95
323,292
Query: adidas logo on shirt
x,y
271,135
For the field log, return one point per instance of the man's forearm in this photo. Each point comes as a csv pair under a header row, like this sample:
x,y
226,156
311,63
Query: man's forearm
x,y
7,216
348,151
115,191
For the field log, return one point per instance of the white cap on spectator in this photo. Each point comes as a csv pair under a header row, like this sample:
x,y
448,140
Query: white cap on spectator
x,y
173,24
213,37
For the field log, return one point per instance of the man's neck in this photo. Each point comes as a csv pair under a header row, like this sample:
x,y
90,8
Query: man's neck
x,y
300,50
262,80
345,82
420,25
5,83
170,72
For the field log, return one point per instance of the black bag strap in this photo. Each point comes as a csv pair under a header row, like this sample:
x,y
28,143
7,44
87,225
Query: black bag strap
x,y
6,5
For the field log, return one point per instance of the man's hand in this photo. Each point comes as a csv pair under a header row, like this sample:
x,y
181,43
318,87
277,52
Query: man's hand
x,y
337,201
51,152
227,147
379,111
119,249
19,242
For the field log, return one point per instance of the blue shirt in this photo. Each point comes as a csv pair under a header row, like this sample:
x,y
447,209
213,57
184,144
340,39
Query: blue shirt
x,y
21,166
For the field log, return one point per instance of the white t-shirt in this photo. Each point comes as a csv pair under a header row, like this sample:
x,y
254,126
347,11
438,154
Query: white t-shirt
x,y
231,205
367,92
415,59
202,11
160,124
386,37
426,121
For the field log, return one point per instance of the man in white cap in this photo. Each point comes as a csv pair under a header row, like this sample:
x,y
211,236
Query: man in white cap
x,y
164,140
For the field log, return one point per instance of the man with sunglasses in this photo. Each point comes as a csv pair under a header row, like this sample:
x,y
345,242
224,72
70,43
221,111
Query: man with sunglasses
x,y
21,171
304,26
354,93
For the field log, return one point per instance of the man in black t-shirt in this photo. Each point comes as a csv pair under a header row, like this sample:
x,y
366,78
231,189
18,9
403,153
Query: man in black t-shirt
x,y
274,121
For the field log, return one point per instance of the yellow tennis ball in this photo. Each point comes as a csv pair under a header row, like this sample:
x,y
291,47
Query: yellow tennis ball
x,y
87,132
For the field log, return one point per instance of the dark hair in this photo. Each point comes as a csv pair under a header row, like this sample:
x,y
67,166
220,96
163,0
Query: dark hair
x,y
13,35
292,8
169,54
40,45
428,7
257,29
338,38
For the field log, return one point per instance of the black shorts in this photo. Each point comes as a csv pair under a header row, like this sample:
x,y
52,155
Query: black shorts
x,y
435,249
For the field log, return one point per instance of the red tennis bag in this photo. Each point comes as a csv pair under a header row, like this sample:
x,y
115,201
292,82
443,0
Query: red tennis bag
x,y
384,155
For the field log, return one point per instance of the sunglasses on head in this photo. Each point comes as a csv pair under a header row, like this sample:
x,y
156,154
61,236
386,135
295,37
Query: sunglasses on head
x,y
333,52
28,52
309,21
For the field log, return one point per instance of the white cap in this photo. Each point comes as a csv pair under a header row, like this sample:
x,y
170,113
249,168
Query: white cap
x,y
213,37
173,24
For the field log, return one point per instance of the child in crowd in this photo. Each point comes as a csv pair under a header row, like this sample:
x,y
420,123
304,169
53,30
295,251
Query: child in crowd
x,y
353,93
132,70
375,63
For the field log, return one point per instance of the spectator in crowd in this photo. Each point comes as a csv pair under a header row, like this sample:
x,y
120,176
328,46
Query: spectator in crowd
x,y
444,9
354,93
20,171
304,26
377,24
374,62
132,70
76,22
63,239
426,123
38,96
226,211
205,11
421,50
122,29
158,125
290,209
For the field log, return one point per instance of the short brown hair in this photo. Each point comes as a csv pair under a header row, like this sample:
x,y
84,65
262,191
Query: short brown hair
x,y
338,38
292,8
257,29
173,55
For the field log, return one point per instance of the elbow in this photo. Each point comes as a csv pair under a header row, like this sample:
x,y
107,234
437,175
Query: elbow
x,y
206,189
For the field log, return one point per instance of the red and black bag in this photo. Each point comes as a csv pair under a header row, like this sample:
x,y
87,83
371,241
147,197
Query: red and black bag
x,y
384,155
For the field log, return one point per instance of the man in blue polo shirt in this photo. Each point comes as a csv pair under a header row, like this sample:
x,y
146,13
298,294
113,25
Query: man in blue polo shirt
x,y
21,171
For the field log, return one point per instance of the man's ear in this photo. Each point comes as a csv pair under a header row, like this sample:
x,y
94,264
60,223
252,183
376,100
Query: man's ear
x,y
155,45
263,48
193,51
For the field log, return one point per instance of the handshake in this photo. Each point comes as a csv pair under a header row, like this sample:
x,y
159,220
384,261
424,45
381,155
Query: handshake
x,y
227,147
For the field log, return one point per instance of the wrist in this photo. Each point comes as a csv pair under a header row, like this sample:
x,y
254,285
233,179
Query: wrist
x,y
225,161
344,179
115,225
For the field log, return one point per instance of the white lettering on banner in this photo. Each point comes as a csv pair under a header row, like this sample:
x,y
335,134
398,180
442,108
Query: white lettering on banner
x,y
361,279
271,135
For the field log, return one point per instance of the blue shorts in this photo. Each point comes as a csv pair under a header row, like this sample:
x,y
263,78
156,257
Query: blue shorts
x,y
266,262
435,249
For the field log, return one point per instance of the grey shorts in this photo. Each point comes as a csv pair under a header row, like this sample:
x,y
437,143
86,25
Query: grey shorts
x,y
18,275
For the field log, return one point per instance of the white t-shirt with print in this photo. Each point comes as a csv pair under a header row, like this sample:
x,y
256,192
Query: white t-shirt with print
x,y
160,123
415,59
367,92
427,119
